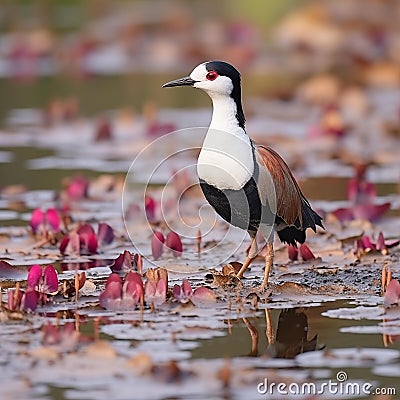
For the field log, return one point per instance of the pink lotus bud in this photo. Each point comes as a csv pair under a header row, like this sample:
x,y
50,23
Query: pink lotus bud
x,y
306,253
381,245
293,252
174,242
105,234
392,294
37,220
53,219
150,208
157,244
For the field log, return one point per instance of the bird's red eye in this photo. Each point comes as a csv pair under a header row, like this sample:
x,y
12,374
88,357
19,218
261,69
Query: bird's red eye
x,y
211,76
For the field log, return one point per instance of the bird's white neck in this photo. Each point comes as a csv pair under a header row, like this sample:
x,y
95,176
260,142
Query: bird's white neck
x,y
226,158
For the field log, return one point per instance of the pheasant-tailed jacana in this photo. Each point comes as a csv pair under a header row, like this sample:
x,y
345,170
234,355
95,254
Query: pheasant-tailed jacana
x,y
248,185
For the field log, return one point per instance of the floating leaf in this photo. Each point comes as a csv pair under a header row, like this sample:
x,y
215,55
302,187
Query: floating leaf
x,y
7,271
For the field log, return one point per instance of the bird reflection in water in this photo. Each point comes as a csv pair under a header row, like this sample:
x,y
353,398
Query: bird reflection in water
x,y
291,337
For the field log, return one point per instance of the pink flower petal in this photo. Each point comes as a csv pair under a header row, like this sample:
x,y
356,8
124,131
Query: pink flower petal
x,y
91,244
50,280
30,300
34,276
150,288
53,219
359,249
343,214
74,246
105,234
155,292
14,297
367,244
177,292
306,253
381,245
293,252
134,277
114,278
187,290
63,244
161,289
203,295
133,287
78,187
122,263
37,220
157,244
87,239
112,292
86,229
174,242
150,208
392,294
370,212
70,245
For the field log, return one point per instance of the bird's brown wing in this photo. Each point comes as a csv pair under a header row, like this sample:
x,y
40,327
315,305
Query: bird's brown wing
x,y
287,191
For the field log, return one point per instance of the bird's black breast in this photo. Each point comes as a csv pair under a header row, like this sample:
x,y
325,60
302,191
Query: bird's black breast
x,y
241,208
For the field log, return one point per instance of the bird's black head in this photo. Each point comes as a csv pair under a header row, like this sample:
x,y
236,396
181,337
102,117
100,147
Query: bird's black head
x,y
216,78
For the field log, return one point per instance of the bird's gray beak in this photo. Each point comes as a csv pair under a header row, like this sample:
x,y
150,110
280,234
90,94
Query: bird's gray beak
x,y
186,81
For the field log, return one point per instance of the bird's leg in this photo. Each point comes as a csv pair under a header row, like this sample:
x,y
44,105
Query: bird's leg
x,y
250,257
269,331
253,335
269,258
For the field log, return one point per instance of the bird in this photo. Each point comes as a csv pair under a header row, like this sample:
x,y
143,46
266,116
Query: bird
x,y
248,185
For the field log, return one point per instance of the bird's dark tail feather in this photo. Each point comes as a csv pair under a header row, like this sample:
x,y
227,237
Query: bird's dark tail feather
x,y
310,217
292,235
297,233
